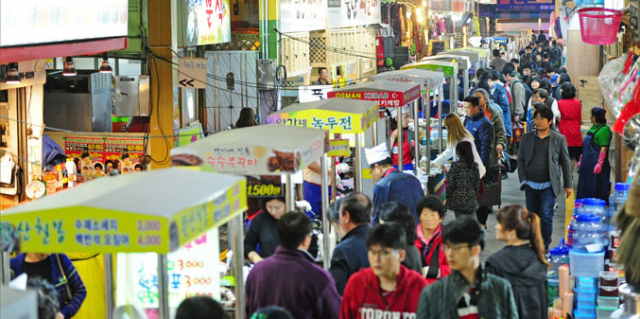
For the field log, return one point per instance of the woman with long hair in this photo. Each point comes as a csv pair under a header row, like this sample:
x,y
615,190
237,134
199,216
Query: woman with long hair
x,y
456,133
522,262
571,113
246,118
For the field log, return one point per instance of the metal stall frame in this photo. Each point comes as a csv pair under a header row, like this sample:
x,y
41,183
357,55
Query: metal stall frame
x,y
464,63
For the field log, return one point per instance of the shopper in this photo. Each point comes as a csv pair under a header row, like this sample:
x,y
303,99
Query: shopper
x,y
518,94
499,96
541,95
469,292
571,113
387,289
290,279
522,262
392,185
261,239
544,169
246,118
494,113
201,307
463,183
350,255
58,270
564,78
456,133
408,140
392,212
429,241
595,170
497,63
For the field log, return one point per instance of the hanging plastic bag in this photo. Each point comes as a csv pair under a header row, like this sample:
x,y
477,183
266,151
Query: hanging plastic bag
x,y
611,77
632,108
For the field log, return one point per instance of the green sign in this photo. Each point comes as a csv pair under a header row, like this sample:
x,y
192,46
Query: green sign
x,y
446,70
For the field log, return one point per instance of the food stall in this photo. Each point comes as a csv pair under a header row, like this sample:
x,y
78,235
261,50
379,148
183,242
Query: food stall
x,y
387,94
429,82
464,64
448,69
484,56
263,150
131,214
474,57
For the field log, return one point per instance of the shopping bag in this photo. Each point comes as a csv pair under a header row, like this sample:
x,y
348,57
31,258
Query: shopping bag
x,y
518,129
509,163
493,188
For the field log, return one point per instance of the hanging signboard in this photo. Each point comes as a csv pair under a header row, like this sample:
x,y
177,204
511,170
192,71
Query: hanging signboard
x,y
384,99
440,5
264,186
208,22
302,15
353,13
192,73
339,148
29,22
526,5
313,93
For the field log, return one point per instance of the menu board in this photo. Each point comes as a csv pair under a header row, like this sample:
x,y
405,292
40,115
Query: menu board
x,y
194,270
105,153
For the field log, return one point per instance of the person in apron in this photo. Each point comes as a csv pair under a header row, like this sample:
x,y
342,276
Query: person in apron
x,y
408,138
595,170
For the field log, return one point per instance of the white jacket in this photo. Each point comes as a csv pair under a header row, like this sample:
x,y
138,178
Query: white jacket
x,y
450,152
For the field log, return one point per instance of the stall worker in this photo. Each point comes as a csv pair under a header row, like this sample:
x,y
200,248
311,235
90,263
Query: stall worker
x,y
595,170
392,185
408,140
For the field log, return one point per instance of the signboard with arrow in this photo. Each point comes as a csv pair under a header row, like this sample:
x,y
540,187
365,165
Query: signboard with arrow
x,y
192,73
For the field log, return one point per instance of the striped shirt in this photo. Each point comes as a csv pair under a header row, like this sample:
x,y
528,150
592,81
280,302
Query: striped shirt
x,y
468,305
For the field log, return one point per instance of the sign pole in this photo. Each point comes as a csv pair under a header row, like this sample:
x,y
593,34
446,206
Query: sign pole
x,y
238,263
291,196
399,138
426,113
358,163
108,271
416,156
325,213
163,287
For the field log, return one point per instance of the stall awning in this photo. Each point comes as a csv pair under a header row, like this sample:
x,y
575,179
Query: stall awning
x,y
386,93
36,52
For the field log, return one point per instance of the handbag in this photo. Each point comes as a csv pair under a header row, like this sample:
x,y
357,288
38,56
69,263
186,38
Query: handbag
x,y
493,191
68,294
518,130
510,164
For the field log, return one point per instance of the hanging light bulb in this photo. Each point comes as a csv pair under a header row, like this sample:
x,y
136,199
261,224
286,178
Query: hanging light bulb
x,y
424,3
12,76
408,14
69,67
105,67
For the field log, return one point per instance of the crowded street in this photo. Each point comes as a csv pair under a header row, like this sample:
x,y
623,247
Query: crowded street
x,y
284,159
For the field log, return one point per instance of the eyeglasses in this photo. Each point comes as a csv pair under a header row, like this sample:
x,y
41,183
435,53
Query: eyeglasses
x,y
383,253
454,247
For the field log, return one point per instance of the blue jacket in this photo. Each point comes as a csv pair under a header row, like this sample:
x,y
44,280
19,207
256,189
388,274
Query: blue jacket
x,y
499,95
482,132
397,187
78,291
349,256
291,280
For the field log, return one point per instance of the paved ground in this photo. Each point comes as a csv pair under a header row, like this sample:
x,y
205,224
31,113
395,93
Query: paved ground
x,y
511,194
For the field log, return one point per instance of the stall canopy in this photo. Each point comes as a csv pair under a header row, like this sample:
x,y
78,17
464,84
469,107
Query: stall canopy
x,y
428,80
386,93
257,150
155,211
473,56
446,68
335,115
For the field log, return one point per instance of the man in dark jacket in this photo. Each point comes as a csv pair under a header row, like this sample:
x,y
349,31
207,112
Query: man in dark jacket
x,y
468,292
544,169
290,279
499,96
350,255
392,185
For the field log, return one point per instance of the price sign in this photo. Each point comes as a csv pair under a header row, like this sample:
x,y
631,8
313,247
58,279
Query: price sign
x,y
266,186
339,148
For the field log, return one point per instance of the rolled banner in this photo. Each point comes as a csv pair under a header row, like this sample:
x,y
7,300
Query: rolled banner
x,y
563,274
567,303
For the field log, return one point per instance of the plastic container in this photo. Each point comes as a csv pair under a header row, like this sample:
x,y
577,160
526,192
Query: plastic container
x,y
599,25
553,290
586,294
586,264
584,313
609,279
586,282
558,256
589,234
618,198
605,312
608,302
585,305
609,292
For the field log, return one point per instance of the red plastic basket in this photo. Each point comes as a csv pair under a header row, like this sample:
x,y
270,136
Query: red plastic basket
x,y
598,25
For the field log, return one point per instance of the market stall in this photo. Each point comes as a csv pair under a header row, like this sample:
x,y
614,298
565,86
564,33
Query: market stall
x,y
474,57
484,56
264,150
429,81
464,65
495,43
387,94
131,214
448,69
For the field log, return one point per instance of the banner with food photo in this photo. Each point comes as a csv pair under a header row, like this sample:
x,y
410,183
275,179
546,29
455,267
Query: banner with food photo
x,y
258,150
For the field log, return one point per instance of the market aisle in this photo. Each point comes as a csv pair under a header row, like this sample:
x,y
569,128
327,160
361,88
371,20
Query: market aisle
x,y
511,194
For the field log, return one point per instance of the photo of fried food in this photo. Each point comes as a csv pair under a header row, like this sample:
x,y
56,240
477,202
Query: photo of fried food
x,y
185,160
273,164
286,161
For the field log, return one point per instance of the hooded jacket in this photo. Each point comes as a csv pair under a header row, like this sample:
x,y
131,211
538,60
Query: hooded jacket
x,y
528,277
363,296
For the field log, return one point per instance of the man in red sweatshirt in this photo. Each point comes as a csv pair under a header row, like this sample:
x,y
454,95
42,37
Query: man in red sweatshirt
x,y
387,289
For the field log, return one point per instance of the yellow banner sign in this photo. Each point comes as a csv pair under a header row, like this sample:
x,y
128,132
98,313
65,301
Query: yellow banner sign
x,y
339,148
